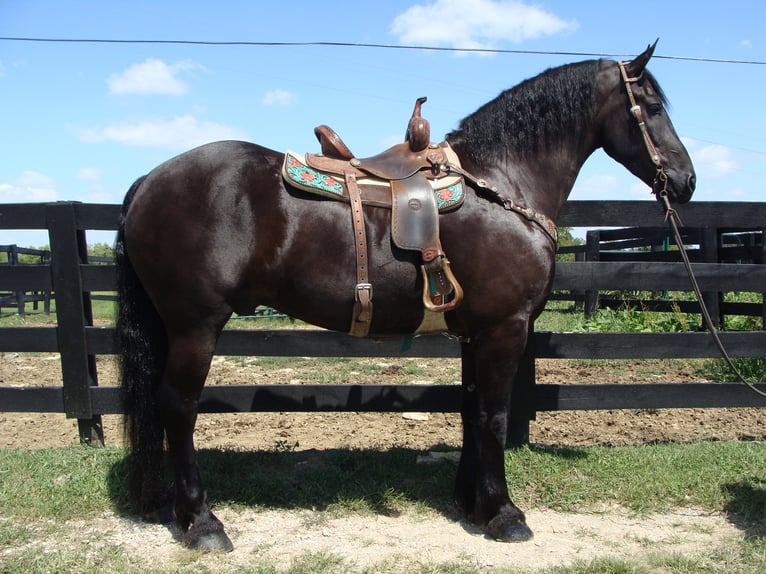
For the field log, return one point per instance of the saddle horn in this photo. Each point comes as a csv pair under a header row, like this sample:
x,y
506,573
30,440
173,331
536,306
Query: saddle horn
x,y
418,130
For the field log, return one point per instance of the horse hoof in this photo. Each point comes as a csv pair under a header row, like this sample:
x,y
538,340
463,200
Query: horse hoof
x,y
509,532
211,542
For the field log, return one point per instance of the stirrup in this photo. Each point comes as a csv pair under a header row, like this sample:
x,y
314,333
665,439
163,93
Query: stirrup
x,y
441,291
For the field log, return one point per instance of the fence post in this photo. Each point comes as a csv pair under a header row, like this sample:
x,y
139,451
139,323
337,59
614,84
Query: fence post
x,y
73,312
592,253
13,260
709,238
762,261
522,407
46,259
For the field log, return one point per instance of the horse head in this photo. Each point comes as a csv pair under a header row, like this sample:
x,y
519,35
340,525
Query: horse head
x,y
638,132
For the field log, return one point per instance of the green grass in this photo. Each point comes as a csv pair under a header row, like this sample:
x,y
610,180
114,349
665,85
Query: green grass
x,y
71,483
652,478
61,483
43,489
753,369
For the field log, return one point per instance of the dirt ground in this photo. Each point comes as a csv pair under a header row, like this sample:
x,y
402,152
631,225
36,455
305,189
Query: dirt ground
x,y
365,543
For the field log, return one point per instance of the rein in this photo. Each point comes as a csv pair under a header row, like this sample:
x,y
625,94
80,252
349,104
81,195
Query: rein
x,y
660,189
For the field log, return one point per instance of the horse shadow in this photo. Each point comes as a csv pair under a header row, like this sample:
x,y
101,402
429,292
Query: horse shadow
x,y
378,481
746,508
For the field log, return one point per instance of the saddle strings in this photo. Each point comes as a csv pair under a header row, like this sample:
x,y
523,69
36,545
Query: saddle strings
x,y
660,189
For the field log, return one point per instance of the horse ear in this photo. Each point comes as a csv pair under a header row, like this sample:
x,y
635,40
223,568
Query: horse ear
x,y
637,65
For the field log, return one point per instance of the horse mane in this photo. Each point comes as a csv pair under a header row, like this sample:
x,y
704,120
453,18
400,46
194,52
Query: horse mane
x,y
534,114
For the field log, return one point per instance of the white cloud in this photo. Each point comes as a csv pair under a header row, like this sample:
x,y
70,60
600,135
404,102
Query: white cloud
x,y
2,69
638,190
152,76
596,186
88,174
277,97
30,186
476,23
746,43
181,132
711,160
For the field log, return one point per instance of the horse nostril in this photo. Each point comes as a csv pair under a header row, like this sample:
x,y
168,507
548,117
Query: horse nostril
x,y
692,182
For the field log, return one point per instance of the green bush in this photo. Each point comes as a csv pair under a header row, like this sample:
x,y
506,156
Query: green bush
x,y
633,320
753,369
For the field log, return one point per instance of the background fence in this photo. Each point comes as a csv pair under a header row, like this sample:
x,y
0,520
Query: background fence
x,y
72,280
9,256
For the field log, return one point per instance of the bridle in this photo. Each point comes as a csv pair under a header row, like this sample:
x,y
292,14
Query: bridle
x,y
660,189
660,184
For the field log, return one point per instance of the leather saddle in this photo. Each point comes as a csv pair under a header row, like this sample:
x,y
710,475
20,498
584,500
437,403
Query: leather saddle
x,y
410,178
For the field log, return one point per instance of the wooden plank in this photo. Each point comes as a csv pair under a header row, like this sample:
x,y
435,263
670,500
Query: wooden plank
x,y
320,343
688,345
648,276
22,216
308,398
98,277
28,340
548,345
647,235
446,398
648,256
99,216
32,399
648,396
587,213
592,213
25,278
101,340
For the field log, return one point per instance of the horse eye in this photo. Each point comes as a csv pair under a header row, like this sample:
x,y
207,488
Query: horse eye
x,y
655,109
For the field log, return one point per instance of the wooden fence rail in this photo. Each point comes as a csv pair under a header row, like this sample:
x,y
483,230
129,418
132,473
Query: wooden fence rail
x,y
72,279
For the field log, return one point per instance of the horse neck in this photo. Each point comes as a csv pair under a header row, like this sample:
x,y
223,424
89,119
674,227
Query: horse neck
x,y
532,140
541,180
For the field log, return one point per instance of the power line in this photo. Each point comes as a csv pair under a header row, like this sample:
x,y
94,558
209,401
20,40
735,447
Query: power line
x,y
366,45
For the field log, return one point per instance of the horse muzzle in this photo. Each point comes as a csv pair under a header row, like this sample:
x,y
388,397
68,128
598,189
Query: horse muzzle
x,y
680,185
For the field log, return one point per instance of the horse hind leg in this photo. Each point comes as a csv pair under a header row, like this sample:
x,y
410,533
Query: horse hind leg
x,y
178,396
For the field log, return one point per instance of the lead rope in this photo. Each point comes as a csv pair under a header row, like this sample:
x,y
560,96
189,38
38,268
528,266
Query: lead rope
x,y
672,216
660,189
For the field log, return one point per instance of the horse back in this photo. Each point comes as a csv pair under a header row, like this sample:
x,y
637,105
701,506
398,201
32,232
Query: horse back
x,y
221,217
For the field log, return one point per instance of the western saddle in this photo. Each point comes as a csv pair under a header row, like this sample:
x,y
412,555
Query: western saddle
x,y
413,180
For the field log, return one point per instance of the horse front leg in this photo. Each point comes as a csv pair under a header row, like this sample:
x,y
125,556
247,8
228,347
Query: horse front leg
x,y
178,399
490,362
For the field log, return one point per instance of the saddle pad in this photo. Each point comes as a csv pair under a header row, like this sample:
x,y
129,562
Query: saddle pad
x,y
448,191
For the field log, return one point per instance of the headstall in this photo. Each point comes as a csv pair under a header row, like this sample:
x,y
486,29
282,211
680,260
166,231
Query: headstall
x,y
660,184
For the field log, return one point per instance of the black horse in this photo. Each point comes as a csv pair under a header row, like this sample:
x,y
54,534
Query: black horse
x,y
216,230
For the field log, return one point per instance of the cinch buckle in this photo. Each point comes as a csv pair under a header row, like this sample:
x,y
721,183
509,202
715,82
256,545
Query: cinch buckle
x,y
367,287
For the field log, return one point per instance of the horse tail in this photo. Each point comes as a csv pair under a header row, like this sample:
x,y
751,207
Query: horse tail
x,y
143,353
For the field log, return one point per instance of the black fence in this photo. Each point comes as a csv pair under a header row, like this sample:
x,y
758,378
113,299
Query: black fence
x,y
72,279
656,244
10,256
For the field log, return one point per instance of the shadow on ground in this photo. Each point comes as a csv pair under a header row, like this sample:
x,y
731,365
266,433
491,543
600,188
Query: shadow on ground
x,y
747,505
314,479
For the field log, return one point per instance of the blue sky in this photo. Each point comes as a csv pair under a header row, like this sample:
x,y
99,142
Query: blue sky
x,y
81,121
